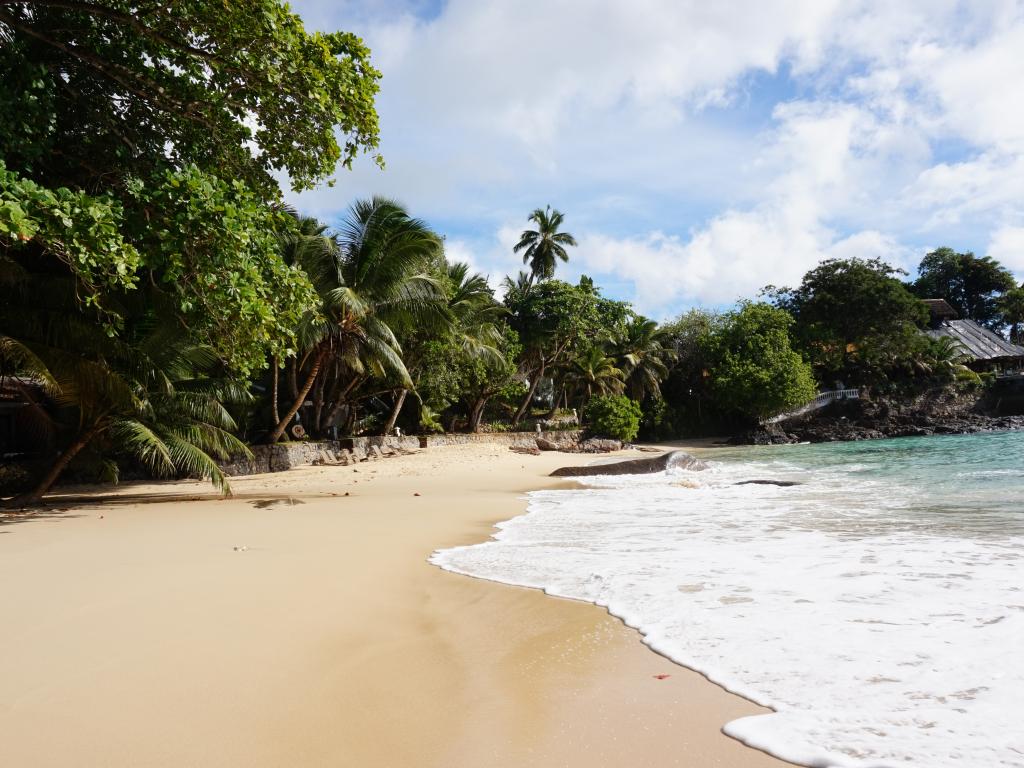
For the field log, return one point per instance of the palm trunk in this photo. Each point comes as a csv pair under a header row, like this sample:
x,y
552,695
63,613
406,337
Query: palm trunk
x,y
36,494
339,403
476,414
310,379
274,415
331,401
318,405
529,397
399,402
293,374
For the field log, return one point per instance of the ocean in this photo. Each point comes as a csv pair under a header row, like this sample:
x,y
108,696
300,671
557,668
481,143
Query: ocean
x,y
877,606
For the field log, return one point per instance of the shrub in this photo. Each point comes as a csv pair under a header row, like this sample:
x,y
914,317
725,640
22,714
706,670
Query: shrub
x,y
967,379
615,416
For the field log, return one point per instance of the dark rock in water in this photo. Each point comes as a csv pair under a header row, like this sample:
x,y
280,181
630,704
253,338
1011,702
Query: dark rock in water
x,y
672,459
780,483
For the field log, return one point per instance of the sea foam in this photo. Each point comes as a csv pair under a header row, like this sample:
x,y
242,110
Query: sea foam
x,y
880,619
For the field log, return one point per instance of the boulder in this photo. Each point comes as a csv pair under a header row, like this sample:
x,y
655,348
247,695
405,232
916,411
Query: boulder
x,y
548,445
598,445
669,460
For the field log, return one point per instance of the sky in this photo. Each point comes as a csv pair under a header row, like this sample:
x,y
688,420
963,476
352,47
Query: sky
x,y
699,150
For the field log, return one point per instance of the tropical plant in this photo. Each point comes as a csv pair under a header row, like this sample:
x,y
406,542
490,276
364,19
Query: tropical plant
x,y
544,246
371,276
971,284
854,318
614,416
148,394
594,373
755,371
644,352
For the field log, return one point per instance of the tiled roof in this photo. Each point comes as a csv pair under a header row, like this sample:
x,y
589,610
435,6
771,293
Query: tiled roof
x,y
980,343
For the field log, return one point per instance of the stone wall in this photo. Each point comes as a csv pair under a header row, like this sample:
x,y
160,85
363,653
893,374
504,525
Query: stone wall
x,y
283,456
511,439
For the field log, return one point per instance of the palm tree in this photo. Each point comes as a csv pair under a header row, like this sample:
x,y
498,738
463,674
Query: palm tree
x,y
543,246
594,373
371,275
644,356
146,392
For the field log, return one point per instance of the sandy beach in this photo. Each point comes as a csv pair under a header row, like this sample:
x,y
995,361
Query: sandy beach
x,y
299,624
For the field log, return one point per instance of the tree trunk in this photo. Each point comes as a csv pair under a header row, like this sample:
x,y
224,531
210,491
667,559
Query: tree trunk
x,y
476,414
310,379
274,415
36,494
525,405
339,403
331,401
293,375
318,405
399,402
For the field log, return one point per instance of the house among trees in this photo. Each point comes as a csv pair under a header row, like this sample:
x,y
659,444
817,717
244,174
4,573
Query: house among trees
x,y
988,351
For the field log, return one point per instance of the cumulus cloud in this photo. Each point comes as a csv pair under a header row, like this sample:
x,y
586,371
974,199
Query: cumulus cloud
x,y
700,150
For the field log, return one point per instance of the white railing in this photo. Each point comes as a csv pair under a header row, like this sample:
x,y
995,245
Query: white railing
x,y
823,399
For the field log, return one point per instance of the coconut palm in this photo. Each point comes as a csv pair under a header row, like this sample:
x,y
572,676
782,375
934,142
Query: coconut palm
x,y
542,247
594,373
145,393
644,355
372,274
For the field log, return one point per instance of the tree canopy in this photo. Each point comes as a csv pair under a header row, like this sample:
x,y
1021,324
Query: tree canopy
x,y
544,246
754,369
971,284
852,315
98,89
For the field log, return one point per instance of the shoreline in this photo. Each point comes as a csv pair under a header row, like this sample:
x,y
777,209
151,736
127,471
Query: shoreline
x,y
329,639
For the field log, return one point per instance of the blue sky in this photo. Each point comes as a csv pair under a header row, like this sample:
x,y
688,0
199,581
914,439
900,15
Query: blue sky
x,y
699,150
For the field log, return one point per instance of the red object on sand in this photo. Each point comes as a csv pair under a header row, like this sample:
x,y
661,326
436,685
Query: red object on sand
x,y
661,677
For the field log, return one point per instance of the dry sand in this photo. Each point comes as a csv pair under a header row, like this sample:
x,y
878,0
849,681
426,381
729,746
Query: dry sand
x,y
133,634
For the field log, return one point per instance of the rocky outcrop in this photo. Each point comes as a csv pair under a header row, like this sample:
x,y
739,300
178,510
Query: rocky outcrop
x,y
940,412
669,460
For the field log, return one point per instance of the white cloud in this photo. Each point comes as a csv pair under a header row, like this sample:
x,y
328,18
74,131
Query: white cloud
x,y
1007,246
701,150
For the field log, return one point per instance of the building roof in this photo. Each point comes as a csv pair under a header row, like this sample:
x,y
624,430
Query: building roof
x,y
940,309
980,343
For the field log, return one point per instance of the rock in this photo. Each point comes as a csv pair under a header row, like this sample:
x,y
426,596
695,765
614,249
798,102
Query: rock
x,y
598,445
671,459
547,445
524,449
780,483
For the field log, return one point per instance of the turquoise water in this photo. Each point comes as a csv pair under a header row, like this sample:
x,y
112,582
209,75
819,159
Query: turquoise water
x,y
967,484
877,607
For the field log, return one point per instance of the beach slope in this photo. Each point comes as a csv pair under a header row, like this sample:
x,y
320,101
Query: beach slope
x,y
299,624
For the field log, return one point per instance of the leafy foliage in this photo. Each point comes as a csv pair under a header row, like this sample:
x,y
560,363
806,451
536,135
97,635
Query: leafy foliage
x,y
970,284
853,317
107,86
544,246
755,371
82,231
213,246
614,416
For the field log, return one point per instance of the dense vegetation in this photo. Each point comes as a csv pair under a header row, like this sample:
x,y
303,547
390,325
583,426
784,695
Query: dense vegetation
x,y
160,308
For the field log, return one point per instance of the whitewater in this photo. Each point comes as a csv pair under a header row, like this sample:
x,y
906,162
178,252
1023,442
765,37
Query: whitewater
x,y
877,606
